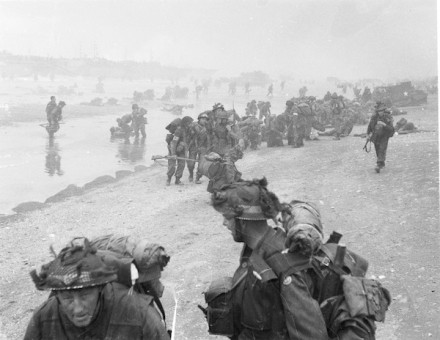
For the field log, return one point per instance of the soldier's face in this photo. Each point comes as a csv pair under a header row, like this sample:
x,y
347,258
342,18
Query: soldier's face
x,y
234,227
79,305
202,121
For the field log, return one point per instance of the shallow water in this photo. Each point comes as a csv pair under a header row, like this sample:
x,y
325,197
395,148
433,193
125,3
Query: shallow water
x,y
33,167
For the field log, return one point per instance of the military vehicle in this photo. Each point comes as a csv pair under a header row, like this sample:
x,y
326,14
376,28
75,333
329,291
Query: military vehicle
x,y
402,94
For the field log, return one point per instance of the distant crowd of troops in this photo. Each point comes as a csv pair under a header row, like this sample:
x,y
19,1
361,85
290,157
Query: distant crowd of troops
x,y
227,135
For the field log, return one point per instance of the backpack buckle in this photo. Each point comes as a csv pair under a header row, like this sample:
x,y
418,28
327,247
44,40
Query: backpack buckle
x,y
325,261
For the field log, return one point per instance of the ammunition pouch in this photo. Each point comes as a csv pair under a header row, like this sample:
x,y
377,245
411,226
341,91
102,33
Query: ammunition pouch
x,y
169,138
365,297
323,262
219,312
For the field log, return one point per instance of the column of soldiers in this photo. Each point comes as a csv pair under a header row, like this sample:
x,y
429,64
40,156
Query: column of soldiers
x,y
215,131
219,131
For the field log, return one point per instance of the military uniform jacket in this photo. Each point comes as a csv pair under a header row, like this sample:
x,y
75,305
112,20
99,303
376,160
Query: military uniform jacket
x,y
296,288
121,316
386,118
198,136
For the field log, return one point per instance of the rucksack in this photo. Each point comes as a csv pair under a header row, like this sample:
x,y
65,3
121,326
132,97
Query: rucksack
x,y
149,258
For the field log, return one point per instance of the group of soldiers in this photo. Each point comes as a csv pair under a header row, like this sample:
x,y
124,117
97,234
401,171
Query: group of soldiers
x,y
221,131
215,131
290,284
131,123
54,114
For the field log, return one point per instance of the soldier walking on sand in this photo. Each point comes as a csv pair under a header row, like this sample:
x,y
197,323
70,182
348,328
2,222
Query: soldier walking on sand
x,y
380,129
177,147
336,106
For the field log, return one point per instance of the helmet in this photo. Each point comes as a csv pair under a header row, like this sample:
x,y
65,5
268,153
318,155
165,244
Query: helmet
x,y
218,106
173,125
202,115
135,106
222,115
76,266
61,103
186,120
289,103
380,106
246,200
334,95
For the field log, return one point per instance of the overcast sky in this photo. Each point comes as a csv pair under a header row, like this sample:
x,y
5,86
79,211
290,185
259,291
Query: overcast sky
x,y
344,38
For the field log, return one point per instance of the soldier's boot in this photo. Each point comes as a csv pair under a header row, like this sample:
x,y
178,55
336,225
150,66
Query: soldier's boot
x,y
178,182
378,167
168,181
198,181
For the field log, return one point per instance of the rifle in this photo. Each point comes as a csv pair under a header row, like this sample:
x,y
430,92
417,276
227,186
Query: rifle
x,y
367,147
155,157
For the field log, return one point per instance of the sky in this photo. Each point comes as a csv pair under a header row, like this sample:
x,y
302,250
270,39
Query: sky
x,y
308,38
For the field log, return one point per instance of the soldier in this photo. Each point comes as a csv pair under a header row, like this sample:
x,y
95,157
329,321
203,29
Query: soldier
x,y
303,91
177,147
138,121
270,91
199,89
336,109
247,88
263,310
222,170
275,126
221,137
232,88
379,130
251,108
198,143
366,95
251,129
124,123
328,96
54,118
282,85
50,107
278,291
87,303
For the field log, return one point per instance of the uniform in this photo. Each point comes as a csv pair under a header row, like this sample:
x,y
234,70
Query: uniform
x,y
278,294
380,129
49,108
336,106
198,142
177,147
86,302
121,316
138,122
125,124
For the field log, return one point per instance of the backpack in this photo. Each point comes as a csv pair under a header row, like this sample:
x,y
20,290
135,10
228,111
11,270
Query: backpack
x,y
363,297
149,258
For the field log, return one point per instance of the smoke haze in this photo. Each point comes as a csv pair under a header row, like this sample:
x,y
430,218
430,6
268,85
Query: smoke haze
x,y
348,39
